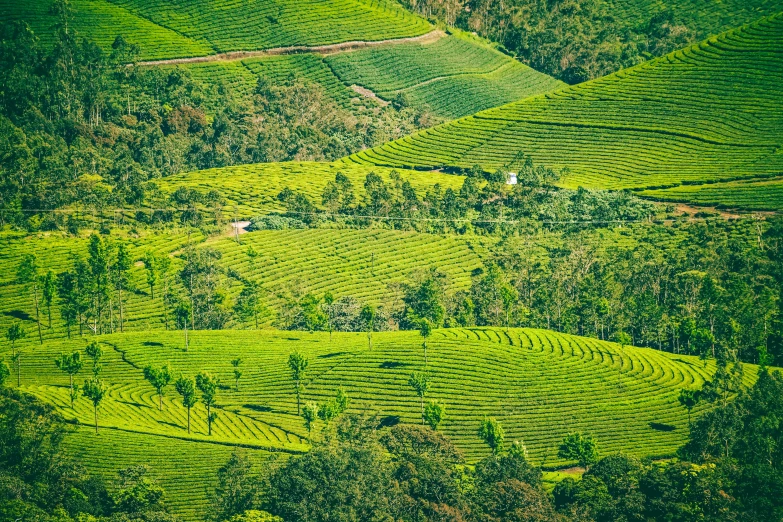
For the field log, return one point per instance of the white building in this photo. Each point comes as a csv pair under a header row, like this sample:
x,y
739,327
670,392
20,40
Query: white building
x,y
512,178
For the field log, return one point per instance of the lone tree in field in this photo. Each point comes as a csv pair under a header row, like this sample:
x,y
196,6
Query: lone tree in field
x,y
579,448
159,378
27,274
182,317
151,266
433,414
689,399
310,415
367,319
420,382
94,389
237,372
70,364
425,329
491,432
329,306
121,267
186,387
208,386
48,291
298,364
95,352
16,332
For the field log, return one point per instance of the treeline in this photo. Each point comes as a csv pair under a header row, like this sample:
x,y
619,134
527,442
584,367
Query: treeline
x,y
729,470
80,126
572,41
487,203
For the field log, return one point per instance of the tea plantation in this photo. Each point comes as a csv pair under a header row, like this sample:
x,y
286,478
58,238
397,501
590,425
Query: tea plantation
x,y
707,112
207,27
764,194
540,385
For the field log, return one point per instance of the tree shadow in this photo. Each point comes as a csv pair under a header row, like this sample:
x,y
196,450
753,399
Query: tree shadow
x,y
662,427
18,314
258,408
389,421
330,355
390,365
151,343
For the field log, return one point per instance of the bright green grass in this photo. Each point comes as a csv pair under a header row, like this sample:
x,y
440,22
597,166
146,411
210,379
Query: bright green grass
x,y
186,470
230,25
541,385
746,194
253,189
704,113
454,76
102,22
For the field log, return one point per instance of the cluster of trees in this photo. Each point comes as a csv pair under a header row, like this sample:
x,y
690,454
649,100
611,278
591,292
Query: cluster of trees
x,y
572,41
79,125
485,203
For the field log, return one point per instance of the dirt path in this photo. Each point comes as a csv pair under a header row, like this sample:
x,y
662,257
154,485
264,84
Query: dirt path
x,y
430,37
367,93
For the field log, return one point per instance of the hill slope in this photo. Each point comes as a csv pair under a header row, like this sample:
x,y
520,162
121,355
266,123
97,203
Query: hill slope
x,y
541,385
704,113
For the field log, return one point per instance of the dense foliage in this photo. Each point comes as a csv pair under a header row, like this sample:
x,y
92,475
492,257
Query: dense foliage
x,y
572,41
79,126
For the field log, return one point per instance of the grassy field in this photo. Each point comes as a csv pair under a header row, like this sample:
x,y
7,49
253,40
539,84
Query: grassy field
x,y
764,194
704,113
454,76
541,385
203,27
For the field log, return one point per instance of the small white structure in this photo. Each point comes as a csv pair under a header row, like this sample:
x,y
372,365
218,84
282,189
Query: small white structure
x,y
512,178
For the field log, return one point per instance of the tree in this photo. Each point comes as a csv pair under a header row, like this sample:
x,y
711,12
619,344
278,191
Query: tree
x,y
433,414
135,493
688,399
491,432
5,372
159,378
425,330
182,314
328,301
163,265
48,289
151,266
98,261
70,364
420,382
186,387
367,320
623,339
580,448
95,352
237,489
16,332
310,415
122,265
27,273
94,389
248,304
237,372
333,408
208,386
298,364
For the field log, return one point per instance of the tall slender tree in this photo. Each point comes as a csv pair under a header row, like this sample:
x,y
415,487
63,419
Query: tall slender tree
x,y
48,290
491,432
95,352
151,266
159,378
186,387
420,382
425,330
208,386
27,273
237,372
14,333
298,364
95,390
71,364
367,319
122,265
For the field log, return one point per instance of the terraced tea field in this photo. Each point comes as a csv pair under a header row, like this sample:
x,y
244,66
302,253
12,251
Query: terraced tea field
x,y
253,189
204,27
765,194
708,112
541,385
455,76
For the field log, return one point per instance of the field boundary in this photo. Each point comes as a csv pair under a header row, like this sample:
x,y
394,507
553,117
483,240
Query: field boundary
x,y
430,37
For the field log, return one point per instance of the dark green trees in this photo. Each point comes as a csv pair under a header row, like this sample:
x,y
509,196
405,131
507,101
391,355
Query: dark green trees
x,y
159,378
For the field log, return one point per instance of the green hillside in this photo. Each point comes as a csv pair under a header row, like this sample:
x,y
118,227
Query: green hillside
x,y
764,194
455,76
704,113
541,385
166,29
